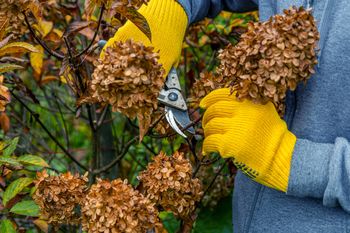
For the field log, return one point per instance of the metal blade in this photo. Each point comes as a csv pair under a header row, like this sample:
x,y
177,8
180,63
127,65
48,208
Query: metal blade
x,y
183,119
171,120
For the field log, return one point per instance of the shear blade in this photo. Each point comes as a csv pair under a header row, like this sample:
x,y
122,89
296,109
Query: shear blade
x,y
169,115
183,119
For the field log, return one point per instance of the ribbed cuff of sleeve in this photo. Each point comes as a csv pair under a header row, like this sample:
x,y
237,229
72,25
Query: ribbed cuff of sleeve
x,y
309,169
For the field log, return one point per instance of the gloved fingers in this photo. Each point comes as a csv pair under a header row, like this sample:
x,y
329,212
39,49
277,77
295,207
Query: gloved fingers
x,y
220,109
219,125
212,143
222,94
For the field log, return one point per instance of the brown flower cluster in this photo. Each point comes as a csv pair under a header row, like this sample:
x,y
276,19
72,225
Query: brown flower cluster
x,y
272,57
162,126
59,196
131,3
121,3
129,78
221,188
203,86
11,17
168,182
116,207
4,95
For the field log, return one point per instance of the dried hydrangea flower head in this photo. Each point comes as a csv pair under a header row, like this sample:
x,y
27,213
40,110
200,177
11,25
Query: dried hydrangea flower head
x,y
59,196
168,182
131,3
121,3
272,57
11,17
4,95
203,86
129,78
221,188
116,207
162,126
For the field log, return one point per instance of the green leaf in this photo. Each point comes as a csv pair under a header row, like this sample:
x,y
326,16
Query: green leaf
x,y
170,223
15,187
28,208
9,161
11,147
6,226
9,67
32,160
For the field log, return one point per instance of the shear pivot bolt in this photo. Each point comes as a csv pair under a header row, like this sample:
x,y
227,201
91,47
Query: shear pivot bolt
x,y
173,96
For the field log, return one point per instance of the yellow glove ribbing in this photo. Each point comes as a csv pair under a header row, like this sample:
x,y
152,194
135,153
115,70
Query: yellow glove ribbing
x,y
253,134
168,22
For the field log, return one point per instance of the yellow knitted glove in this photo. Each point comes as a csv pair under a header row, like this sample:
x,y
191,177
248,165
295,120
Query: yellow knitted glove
x,y
253,134
167,21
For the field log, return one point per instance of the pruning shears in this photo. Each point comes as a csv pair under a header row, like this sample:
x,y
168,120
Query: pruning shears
x,y
176,112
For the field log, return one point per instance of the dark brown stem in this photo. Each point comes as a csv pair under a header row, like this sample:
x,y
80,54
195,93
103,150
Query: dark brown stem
x,y
39,41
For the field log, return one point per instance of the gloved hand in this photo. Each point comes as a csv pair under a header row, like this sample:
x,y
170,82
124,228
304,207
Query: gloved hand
x,y
167,21
253,134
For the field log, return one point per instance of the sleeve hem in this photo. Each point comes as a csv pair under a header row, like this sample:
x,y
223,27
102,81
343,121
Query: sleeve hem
x,y
309,169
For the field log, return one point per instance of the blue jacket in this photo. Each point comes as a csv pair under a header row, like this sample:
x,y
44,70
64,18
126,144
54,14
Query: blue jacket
x,y
318,196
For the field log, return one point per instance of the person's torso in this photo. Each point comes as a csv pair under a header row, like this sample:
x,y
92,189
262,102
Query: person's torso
x,y
318,111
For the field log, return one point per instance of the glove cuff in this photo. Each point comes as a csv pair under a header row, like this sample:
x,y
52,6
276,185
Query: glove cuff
x,y
278,174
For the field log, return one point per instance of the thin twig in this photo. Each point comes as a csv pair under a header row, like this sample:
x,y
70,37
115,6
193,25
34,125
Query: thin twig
x,y
95,35
149,148
118,158
138,162
63,121
213,181
37,118
80,81
102,117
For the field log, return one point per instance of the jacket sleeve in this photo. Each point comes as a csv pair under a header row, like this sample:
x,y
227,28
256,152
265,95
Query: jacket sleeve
x,y
321,170
199,9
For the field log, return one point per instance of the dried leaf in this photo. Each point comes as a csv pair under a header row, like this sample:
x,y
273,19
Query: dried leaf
x,y
4,22
136,18
9,67
17,47
42,225
76,26
4,122
44,27
50,78
37,59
